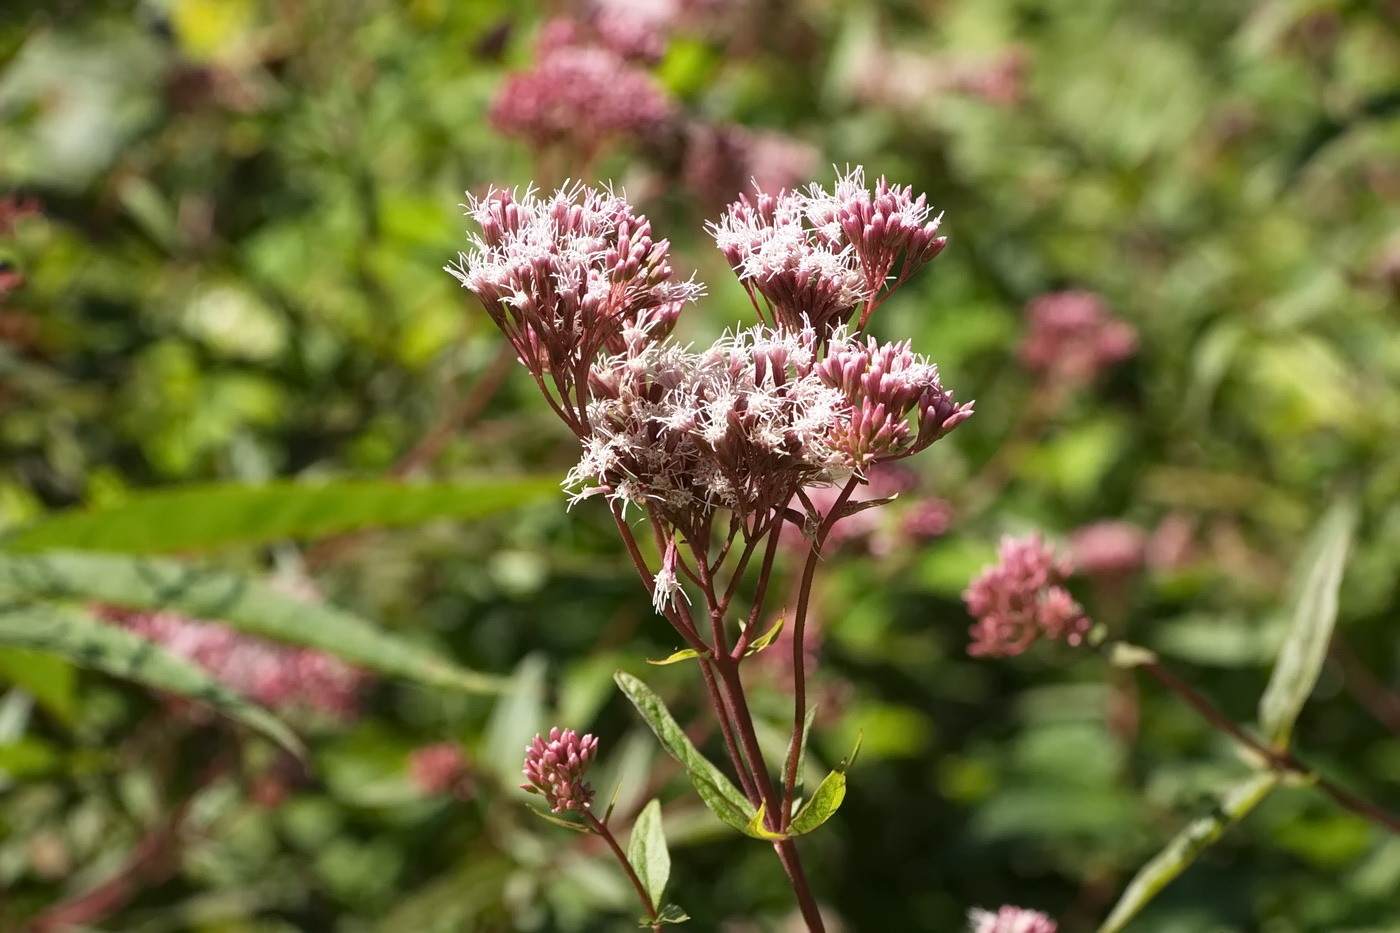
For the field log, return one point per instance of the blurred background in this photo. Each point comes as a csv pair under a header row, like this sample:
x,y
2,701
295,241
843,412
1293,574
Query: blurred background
x,y
1172,285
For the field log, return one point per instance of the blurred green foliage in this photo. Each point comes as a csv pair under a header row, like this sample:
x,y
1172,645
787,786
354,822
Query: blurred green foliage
x,y
237,277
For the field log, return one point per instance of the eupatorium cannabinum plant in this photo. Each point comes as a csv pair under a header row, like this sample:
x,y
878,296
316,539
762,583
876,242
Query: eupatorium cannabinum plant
x,y
719,448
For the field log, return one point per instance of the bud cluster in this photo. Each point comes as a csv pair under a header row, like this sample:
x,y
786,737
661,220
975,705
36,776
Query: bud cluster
x,y
555,769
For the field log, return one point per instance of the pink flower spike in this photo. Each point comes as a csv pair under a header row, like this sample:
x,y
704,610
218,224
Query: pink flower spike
x,y
555,769
1011,920
1019,600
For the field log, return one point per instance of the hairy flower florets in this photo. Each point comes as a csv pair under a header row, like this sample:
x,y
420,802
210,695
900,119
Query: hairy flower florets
x,y
569,277
818,256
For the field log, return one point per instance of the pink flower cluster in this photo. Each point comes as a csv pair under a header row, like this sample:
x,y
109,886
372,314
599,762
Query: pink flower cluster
x,y
1073,337
280,677
568,277
555,769
1011,920
581,92
587,298
815,258
1019,600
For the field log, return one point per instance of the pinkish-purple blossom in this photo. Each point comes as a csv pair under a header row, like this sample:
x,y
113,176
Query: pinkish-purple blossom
x,y
1011,920
1072,336
555,768
897,406
578,95
280,677
815,258
1020,599
568,277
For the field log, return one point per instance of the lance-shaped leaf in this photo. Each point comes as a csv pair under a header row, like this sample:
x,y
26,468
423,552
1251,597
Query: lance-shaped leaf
x,y
194,518
685,654
716,790
242,603
764,640
647,852
1314,615
827,798
1183,849
91,643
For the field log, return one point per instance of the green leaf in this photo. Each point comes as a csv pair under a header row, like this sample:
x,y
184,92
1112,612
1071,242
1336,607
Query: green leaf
x,y
716,790
49,680
194,518
826,801
1186,846
560,821
159,583
685,654
91,643
647,853
764,640
516,719
758,830
671,913
1314,615
828,796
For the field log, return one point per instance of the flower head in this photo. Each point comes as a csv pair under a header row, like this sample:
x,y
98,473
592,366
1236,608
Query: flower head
x,y
1011,920
815,257
569,277
1020,599
741,426
579,95
555,769
897,405
1073,337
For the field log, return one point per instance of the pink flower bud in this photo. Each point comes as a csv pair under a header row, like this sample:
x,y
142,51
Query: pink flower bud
x,y
555,769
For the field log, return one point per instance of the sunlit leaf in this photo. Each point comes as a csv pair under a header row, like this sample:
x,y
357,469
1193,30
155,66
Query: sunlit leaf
x,y
764,640
825,801
1314,615
647,852
716,790
685,654
757,829
195,518
1185,847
